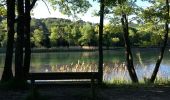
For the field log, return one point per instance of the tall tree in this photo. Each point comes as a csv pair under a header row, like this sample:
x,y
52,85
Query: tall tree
x,y
100,69
19,41
129,56
7,73
122,8
27,18
159,60
27,44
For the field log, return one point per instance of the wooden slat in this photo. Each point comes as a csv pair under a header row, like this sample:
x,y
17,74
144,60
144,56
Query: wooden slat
x,y
63,75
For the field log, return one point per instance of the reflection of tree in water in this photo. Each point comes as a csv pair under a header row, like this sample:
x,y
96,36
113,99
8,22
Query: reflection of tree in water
x,y
144,71
142,67
140,59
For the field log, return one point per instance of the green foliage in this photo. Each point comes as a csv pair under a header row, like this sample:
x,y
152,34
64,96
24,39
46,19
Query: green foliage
x,y
88,34
54,36
37,37
148,31
71,7
75,35
58,32
107,35
115,40
3,12
3,39
153,17
80,33
3,33
155,13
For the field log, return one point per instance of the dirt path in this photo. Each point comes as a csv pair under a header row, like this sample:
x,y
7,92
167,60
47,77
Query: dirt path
x,y
82,93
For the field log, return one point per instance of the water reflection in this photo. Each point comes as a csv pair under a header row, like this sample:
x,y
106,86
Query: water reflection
x,y
114,63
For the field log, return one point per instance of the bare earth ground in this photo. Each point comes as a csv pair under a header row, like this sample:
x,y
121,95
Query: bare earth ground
x,y
84,93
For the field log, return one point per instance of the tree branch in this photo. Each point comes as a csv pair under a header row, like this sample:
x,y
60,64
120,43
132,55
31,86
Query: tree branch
x,y
46,6
32,4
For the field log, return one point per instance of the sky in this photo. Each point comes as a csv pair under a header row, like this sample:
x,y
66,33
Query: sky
x,y
41,11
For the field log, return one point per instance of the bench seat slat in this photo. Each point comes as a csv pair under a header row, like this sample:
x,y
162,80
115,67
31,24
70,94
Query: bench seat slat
x,y
63,75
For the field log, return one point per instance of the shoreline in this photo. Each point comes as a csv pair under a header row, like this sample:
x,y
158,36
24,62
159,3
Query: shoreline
x,y
81,49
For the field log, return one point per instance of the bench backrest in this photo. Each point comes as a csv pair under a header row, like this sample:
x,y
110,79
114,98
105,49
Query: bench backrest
x,y
63,75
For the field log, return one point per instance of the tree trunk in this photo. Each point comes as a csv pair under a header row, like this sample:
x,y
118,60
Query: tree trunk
x,y
27,56
19,42
159,60
100,69
7,73
129,57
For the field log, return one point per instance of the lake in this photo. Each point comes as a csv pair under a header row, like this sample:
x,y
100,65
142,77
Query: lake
x,y
114,63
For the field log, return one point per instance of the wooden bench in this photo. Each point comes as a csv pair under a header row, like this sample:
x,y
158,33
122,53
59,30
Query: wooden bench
x,y
66,76
63,76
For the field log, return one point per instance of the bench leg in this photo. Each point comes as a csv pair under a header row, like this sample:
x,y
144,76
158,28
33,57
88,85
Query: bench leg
x,y
93,89
32,81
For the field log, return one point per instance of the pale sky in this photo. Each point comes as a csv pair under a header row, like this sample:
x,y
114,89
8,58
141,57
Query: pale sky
x,y
41,11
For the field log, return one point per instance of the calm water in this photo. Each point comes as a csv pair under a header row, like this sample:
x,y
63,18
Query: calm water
x,y
114,63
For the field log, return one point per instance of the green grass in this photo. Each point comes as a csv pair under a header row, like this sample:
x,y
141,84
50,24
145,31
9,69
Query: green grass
x,y
136,85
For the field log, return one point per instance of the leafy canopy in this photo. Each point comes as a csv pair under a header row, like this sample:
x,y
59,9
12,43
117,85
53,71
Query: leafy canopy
x,y
71,7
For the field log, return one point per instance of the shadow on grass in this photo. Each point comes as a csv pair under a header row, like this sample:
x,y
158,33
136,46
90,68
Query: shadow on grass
x,y
34,94
14,85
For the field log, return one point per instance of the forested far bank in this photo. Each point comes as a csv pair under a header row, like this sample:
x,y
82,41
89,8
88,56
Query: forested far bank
x,y
57,32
